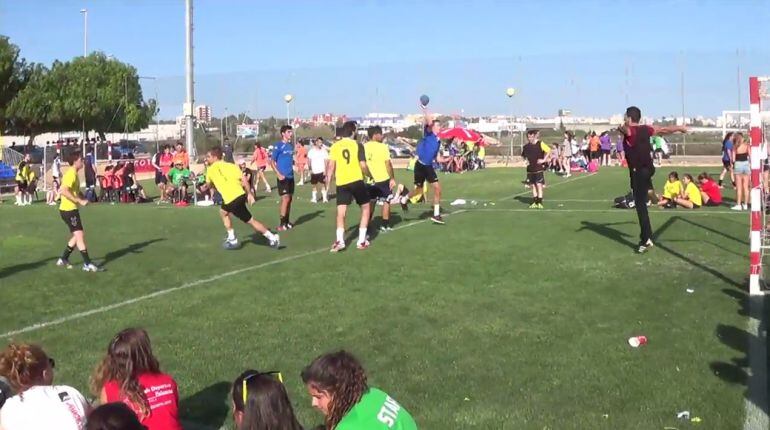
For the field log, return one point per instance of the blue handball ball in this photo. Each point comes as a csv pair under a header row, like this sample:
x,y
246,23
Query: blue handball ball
x,y
424,100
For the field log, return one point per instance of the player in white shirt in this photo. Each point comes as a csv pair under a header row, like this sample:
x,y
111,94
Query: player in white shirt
x,y
38,405
53,193
318,156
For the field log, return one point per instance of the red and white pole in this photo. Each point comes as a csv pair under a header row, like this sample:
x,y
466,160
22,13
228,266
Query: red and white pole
x,y
756,187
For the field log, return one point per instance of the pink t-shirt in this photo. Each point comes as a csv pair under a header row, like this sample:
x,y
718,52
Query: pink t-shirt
x,y
163,396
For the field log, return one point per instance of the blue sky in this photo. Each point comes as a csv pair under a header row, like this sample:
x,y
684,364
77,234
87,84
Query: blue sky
x,y
369,55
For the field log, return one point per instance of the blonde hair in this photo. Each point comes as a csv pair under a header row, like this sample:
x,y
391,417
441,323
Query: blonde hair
x,y
129,355
23,364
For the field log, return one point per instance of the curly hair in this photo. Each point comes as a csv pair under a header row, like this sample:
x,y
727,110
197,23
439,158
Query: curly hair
x,y
341,375
23,365
128,356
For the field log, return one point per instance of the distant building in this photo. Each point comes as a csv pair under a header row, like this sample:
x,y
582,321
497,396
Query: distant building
x,y
203,113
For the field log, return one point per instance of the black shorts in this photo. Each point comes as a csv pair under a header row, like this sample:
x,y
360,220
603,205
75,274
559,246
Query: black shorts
x,y
238,208
606,151
286,186
317,178
727,164
354,190
380,191
535,178
160,178
712,203
72,219
262,168
22,185
424,173
594,155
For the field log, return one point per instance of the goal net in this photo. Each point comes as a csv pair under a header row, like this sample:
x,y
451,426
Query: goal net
x,y
759,130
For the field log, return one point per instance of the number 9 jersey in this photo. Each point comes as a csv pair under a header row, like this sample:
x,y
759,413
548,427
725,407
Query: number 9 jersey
x,y
347,155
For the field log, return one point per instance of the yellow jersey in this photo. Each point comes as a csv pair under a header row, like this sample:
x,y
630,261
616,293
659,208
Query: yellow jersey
x,y
23,171
672,189
70,181
347,155
377,158
693,194
226,178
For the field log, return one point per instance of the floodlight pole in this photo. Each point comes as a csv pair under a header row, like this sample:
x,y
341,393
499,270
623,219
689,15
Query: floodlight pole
x,y
85,31
190,99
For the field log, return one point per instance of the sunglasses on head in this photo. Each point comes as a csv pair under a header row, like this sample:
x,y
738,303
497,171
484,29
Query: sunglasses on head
x,y
246,379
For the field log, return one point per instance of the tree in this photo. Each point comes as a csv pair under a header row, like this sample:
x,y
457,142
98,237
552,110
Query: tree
x,y
14,75
36,108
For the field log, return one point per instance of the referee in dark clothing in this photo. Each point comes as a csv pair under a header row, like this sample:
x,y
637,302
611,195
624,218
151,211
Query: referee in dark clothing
x,y
636,144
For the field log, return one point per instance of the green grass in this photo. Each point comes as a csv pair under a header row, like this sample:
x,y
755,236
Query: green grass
x,y
505,318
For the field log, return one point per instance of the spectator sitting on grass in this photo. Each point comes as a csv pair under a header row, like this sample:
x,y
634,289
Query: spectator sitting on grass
x,y
691,198
114,416
709,190
338,386
260,402
38,404
671,191
130,373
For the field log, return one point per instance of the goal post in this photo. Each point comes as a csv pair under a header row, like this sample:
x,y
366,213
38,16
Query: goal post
x,y
758,97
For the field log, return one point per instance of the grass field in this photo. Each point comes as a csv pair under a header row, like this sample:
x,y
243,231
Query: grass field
x,y
504,318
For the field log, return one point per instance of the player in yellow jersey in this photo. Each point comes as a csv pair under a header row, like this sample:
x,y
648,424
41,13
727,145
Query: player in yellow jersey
x,y
236,192
383,181
68,210
348,162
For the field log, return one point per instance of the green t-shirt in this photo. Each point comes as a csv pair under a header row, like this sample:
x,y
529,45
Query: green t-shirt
x,y
177,175
377,411
657,142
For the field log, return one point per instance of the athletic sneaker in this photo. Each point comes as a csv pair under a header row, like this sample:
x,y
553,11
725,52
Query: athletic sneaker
x,y
363,245
337,246
91,267
737,207
276,243
745,207
289,226
230,244
533,205
313,201
282,227
540,206
268,190
643,247
385,228
63,263
437,219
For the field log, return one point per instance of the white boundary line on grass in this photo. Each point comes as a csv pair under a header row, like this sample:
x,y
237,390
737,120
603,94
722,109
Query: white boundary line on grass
x,y
610,210
184,286
756,391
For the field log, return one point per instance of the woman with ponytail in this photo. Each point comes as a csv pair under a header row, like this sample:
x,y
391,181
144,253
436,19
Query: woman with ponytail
x,y
38,404
130,373
338,385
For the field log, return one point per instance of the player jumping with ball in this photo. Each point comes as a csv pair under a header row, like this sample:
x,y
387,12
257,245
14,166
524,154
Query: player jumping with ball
x,y
427,150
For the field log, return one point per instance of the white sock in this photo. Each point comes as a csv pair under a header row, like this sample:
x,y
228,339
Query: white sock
x,y
324,194
231,234
18,199
269,235
361,235
341,235
315,195
436,211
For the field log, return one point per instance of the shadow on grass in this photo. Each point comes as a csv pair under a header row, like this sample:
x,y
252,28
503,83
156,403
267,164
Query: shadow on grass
x,y
12,270
751,348
209,406
130,249
307,217
607,231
